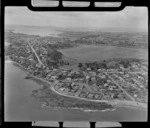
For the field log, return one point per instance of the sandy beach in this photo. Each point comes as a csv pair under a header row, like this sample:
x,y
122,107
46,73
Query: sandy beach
x,y
125,103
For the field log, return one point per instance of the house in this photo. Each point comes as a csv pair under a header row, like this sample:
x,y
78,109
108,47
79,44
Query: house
x,y
82,95
127,75
99,70
108,81
95,88
105,85
69,74
72,84
56,81
54,77
96,96
88,69
112,69
110,88
66,90
106,96
75,87
93,78
90,95
135,95
64,71
61,89
141,86
87,77
77,93
103,76
92,73
69,79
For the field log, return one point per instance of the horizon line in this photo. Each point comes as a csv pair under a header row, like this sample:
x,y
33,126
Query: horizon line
x,y
121,29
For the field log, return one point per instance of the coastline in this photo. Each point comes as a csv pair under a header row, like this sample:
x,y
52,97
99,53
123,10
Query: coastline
x,y
77,108
116,103
129,104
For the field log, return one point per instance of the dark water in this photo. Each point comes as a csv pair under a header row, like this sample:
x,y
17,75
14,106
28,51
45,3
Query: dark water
x,y
95,53
20,106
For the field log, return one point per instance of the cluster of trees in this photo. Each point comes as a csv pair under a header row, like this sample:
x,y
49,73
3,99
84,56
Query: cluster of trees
x,y
93,65
125,63
105,64
54,55
55,58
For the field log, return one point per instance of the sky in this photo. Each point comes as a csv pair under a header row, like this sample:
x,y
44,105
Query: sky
x,y
133,18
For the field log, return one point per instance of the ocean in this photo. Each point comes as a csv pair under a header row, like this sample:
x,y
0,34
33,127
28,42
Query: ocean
x,y
34,30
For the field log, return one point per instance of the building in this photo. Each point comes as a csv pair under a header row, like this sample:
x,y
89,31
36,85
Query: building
x,y
90,95
68,79
96,96
110,88
88,69
61,89
99,70
93,78
54,77
105,85
108,81
106,96
66,90
135,95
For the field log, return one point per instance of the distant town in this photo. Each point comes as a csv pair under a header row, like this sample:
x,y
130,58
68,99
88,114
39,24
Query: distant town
x,y
112,79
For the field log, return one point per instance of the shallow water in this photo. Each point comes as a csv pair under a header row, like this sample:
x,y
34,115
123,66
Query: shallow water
x,y
20,106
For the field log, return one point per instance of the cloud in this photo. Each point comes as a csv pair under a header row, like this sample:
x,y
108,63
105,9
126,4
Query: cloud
x,y
130,17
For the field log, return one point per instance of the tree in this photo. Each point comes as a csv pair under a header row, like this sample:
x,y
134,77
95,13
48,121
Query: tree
x,y
80,65
54,55
125,63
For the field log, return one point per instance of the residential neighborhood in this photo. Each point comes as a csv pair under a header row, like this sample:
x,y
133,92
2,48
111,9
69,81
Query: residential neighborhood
x,y
122,79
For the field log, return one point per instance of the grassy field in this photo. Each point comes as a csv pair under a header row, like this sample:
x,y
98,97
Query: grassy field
x,y
51,99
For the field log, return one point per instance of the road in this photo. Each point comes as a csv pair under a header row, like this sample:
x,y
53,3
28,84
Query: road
x,y
125,82
35,54
86,85
121,87
51,85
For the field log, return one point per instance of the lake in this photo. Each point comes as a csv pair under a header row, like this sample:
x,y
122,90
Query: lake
x,y
21,106
99,52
